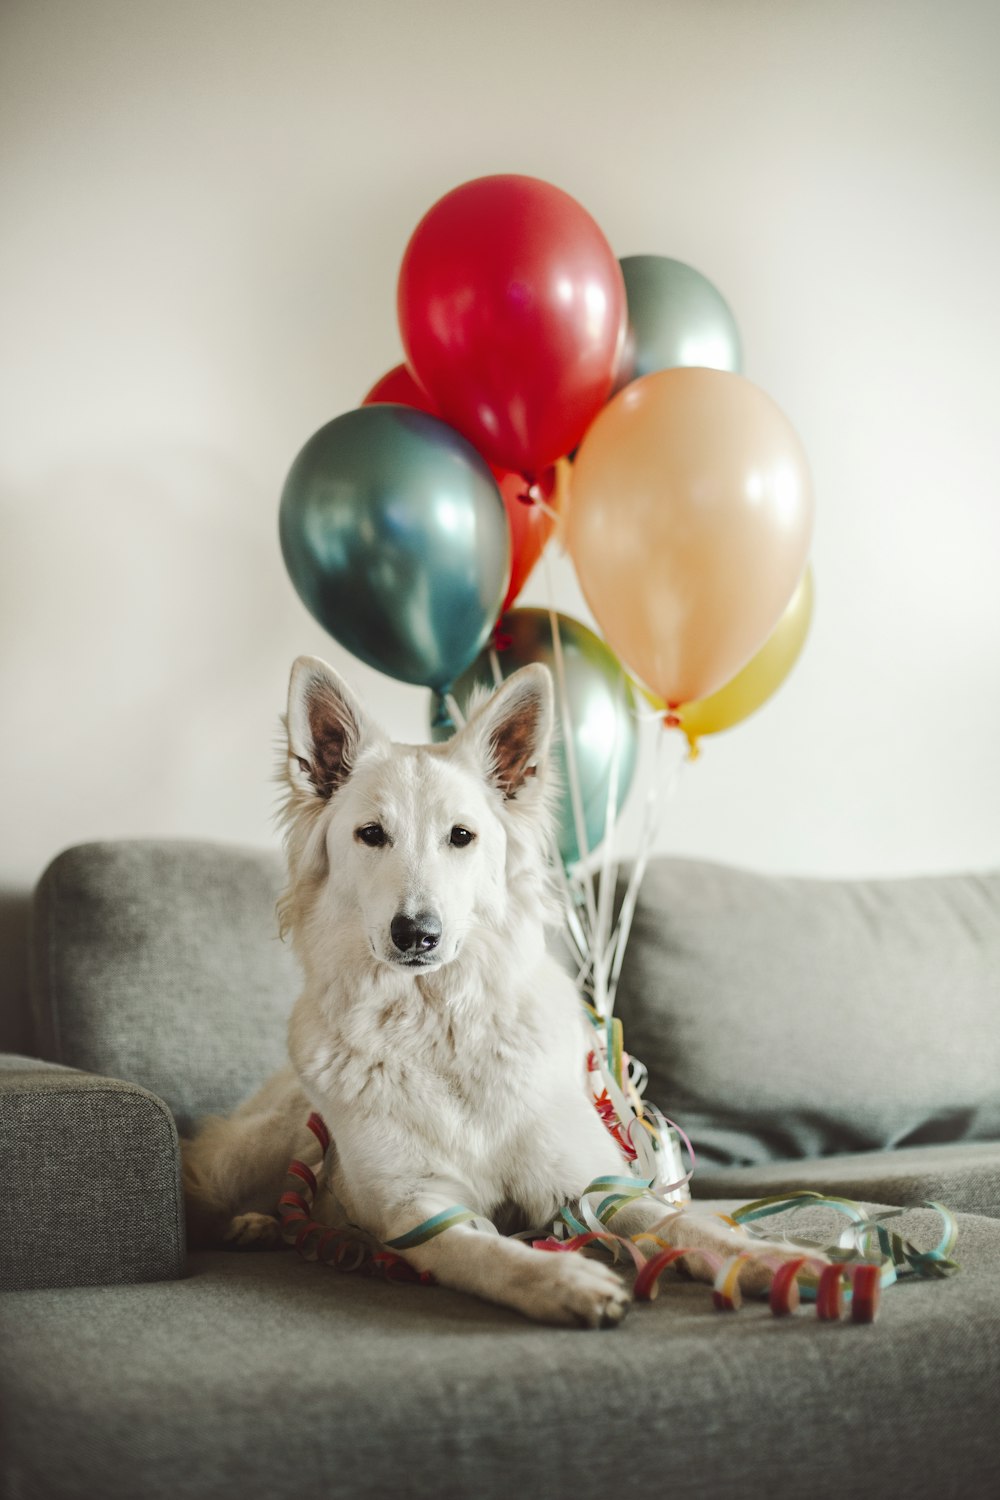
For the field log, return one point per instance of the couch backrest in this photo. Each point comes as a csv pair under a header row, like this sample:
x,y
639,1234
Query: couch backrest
x,y
788,1017
778,1017
159,961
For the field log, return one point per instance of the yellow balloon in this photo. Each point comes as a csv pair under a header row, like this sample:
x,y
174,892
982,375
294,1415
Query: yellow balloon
x,y
760,678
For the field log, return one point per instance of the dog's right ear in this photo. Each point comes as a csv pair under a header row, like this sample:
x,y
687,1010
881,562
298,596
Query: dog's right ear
x,y
327,727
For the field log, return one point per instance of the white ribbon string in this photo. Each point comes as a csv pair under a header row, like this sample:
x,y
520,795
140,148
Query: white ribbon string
x,y
608,881
572,772
661,790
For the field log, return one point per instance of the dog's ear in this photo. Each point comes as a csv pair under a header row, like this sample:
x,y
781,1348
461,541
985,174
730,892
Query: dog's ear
x,y
327,727
512,730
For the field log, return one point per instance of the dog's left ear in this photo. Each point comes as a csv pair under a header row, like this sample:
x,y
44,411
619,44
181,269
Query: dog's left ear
x,y
327,727
512,730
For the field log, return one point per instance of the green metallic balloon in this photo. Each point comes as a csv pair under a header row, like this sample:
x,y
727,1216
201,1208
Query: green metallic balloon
x,y
395,536
677,318
602,708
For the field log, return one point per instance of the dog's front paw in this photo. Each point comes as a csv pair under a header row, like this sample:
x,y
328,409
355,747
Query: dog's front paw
x,y
571,1289
253,1232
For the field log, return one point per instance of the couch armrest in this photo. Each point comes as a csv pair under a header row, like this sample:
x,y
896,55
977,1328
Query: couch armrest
x,y
91,1176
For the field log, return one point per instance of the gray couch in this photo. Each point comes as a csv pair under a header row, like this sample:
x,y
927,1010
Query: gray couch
x,y
807,1033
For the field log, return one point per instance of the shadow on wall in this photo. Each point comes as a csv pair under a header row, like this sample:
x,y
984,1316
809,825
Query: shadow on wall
x,y
16,1030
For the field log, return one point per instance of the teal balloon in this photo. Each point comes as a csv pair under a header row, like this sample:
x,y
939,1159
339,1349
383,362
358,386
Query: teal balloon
x,y
602,708
396,538
677,318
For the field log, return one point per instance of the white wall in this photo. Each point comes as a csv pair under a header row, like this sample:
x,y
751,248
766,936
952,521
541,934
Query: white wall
x,y
205,205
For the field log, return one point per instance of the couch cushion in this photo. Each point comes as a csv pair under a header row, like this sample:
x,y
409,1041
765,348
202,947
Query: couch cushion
x,y
262,1374
964,1175
785,1017
159,961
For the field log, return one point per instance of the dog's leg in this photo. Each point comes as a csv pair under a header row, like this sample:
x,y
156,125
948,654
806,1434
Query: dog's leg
x,y
565,1287
700,1226
234,1168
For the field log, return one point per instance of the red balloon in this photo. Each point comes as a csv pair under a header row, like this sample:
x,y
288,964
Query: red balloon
x,y
530,525
398,386
512,310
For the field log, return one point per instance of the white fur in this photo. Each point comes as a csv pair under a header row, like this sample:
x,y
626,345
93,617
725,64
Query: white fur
x,y
458,1081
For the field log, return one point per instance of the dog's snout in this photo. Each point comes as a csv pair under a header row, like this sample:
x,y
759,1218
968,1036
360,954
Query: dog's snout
x,y
417,934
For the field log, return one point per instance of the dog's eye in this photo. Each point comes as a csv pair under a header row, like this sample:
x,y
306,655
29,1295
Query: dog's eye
x,y
372,834
461,837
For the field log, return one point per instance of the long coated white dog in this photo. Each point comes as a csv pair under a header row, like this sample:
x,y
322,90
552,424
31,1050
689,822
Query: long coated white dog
x,y
441,1043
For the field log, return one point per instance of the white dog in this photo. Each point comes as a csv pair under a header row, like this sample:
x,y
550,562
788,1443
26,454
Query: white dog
x,y
442,1045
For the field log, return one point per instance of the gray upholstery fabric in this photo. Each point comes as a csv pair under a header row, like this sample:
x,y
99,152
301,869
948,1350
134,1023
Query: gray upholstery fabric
x,y
776,1017
262,1374
965,1175
159,961
91,1180
785,1017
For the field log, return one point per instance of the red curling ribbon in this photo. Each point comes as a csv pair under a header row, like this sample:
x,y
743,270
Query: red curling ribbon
x,y
784,1294
299,1169
317,1125
866,1293
305,1232
830,1294
294,1200
647,1283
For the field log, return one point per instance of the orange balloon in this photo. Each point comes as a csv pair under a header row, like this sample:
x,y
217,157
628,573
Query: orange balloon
x,y
689,525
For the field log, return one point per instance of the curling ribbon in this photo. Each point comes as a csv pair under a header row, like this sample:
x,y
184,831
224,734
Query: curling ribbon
x,y
851,1272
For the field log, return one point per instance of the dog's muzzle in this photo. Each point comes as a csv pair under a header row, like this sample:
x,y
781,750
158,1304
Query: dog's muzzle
x,y
416,938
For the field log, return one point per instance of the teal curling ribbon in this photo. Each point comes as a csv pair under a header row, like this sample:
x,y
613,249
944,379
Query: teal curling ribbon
x,y
430,1228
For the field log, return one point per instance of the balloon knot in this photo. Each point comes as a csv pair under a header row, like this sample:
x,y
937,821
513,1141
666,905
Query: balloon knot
x,y
501,640
672,721
441,720
526,496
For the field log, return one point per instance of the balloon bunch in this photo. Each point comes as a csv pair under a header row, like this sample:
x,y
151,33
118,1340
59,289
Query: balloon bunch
x,y
548,384
409,525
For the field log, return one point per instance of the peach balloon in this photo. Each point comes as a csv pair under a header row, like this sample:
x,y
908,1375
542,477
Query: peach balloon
x,y
689,526
762,676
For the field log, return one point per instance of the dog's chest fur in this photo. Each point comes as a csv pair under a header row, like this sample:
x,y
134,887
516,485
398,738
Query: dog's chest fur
x,y
446,1079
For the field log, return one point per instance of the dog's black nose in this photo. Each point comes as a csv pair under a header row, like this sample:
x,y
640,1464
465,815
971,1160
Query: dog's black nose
x,y
417,934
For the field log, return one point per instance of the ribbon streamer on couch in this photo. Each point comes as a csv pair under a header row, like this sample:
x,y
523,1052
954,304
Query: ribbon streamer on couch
x,y
848,1273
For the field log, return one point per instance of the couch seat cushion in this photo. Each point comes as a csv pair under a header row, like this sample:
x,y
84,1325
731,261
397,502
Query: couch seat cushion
x,y
965,1176
261,1374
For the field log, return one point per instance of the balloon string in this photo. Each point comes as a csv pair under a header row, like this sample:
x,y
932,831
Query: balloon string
x,y
571,766
547,510
608,881
453,708
527,498
657,797
576,930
